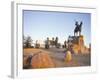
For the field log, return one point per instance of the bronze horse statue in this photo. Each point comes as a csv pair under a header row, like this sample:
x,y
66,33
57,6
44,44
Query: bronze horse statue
x,y
78,28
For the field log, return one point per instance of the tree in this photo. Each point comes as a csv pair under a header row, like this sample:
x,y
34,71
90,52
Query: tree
x,y
65,44
37,45
27,42
56,41
52,42
47,43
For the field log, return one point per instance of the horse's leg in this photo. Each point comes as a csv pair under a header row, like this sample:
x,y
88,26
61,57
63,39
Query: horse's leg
x,y
74,33
79,33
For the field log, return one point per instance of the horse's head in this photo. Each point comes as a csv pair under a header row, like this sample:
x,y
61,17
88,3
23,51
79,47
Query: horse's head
x,y
81,24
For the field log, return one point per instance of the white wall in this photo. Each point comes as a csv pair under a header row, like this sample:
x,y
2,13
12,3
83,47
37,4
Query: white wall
x,y
5,41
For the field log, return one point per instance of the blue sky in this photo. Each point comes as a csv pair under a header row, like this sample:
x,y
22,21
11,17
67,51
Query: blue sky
x,y
42,24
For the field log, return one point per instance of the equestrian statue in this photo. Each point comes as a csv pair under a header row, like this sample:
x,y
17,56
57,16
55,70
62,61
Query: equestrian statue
x,y
78,28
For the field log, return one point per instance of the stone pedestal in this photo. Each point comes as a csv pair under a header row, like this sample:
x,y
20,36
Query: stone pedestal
x,y
77,43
